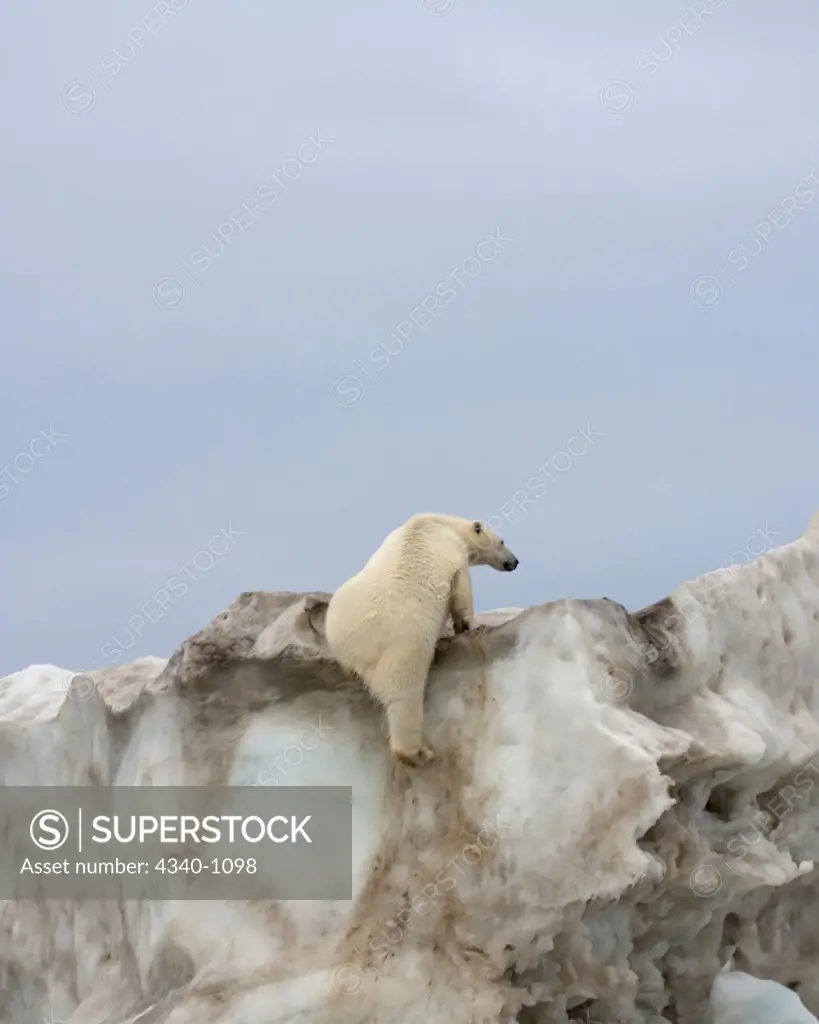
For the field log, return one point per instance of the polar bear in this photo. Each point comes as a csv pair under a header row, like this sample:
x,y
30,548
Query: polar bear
x,y
382,625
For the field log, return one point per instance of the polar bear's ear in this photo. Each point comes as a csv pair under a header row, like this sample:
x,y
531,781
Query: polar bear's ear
x,y
478,527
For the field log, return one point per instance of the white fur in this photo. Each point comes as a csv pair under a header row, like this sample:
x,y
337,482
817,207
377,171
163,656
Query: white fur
x,y
384,622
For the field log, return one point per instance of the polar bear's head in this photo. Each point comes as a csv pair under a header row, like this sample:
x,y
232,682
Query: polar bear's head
x,y
487,548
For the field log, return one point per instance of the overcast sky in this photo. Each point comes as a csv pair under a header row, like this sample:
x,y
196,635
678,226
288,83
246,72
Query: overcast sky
x,y
295,272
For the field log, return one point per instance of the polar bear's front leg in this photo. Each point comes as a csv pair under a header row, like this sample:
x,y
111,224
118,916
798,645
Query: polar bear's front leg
x,y
461,605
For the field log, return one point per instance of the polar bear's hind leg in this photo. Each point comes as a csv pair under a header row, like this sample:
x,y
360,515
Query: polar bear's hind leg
x,y
399,682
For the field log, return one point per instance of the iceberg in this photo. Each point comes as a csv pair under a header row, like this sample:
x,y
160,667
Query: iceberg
x,y
622,803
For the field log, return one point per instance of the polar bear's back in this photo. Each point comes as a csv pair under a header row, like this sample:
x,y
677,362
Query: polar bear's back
x,y
399,599
421,547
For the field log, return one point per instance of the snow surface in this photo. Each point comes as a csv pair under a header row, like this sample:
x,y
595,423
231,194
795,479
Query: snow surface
x,y
739,998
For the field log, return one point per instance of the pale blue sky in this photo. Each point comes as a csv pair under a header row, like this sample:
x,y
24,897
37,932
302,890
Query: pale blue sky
x,y
440,129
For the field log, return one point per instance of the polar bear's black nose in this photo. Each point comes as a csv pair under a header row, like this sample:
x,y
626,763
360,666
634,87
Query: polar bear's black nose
x,y
510,564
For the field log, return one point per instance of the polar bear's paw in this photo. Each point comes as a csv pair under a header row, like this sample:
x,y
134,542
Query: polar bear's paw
x,y
414,758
